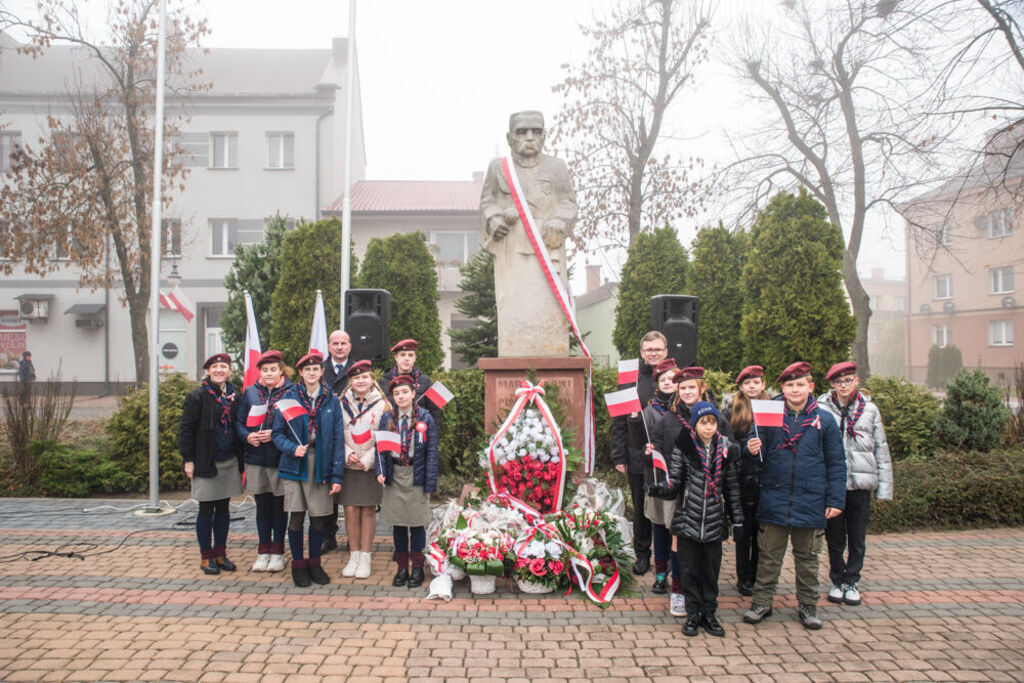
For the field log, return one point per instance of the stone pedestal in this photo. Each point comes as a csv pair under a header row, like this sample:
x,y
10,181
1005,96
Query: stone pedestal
x,y
502,377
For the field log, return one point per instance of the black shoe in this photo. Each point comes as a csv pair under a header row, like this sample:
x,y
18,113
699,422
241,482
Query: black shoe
x,y
330,543
209,567
318,575
641,565
416,577
691,627
225,565
746,589
660,586
711,625
300,577
401,578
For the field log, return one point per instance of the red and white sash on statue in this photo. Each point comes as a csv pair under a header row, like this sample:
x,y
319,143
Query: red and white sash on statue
x,y
561,295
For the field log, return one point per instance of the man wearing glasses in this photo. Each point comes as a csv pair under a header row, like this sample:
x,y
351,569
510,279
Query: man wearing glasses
x,y
868,468
631,458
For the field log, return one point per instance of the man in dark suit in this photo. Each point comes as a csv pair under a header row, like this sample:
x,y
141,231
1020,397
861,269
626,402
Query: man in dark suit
x,y
339,345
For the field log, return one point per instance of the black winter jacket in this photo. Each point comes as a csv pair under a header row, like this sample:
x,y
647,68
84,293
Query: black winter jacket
x,y
197,432
699,517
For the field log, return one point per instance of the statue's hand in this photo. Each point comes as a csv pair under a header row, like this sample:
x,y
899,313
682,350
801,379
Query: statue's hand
x,y
498,228
554,237
511,215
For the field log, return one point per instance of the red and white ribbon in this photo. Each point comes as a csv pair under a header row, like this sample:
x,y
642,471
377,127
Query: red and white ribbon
x,y
560,293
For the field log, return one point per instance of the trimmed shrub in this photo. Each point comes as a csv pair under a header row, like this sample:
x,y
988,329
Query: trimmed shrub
x,y
973,414
129,434
462,426
954,491
908,412
943,364
719,382
68,473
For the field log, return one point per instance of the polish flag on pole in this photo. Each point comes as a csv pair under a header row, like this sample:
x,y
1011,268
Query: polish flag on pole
x,y
628,371
623,402
767,413
182,304
361,434
291,409
318,335
388,441
439,394
256,416
658,461
252,346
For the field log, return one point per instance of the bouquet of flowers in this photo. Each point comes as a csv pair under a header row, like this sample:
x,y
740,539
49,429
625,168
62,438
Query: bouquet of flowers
x,y
596,537
528,462
480,553
540,563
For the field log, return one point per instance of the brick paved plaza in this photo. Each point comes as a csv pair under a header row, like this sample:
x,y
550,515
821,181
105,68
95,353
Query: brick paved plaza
x,y
938,606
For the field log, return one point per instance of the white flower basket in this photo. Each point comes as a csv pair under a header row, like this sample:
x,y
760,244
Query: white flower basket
x,y
454,572
532,587
482,585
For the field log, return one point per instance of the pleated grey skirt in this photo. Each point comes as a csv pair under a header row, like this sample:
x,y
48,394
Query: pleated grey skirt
x,y
404,504
227,483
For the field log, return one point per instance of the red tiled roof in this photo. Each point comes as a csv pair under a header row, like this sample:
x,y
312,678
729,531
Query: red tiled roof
x,y
414,195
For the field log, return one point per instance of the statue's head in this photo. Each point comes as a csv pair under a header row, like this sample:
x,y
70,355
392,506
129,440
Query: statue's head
x,y
526,133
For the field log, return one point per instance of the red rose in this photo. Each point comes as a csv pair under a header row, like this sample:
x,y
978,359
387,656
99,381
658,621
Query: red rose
x,y
537,567
556,566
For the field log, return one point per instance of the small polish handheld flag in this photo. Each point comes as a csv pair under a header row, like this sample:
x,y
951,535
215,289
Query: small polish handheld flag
x,y
252,346
291,409
388,441
256,416
767,413
623,402
318,335
361,434
628,371
439,394
182,303
658,461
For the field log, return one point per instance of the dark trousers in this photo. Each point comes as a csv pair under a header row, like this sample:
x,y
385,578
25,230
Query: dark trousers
x,y
746,547
849,528
331,523
700,564
641,525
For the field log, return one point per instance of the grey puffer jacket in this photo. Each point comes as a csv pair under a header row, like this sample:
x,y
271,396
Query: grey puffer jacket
x,y
698,516
868,463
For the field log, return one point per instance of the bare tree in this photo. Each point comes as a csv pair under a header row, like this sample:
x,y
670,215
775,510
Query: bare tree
x,y
842,86
640,60
87,186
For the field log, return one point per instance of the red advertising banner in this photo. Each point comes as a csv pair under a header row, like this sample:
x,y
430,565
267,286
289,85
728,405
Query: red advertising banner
x,y
12,339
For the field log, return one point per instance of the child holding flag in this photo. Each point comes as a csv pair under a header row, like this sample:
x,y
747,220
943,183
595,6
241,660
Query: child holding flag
x,y
408,470
254,421
310,433
363,405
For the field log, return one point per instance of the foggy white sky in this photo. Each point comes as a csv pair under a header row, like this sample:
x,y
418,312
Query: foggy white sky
x,y
439,80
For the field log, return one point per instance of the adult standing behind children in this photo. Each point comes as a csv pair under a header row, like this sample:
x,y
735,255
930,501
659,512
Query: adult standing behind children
x,y
803,485
336,367
868,468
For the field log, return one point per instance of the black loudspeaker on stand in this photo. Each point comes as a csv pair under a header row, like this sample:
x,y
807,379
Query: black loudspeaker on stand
x,y
675,316
367,316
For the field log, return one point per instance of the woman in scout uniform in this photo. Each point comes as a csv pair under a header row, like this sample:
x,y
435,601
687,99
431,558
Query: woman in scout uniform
x,y
409,476
363,404
212,459
310,433
254,421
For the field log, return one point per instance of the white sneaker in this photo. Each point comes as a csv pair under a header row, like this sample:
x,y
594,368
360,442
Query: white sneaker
x,y
261,563
364,570
276,563
836,594
677,605
353,562
852,595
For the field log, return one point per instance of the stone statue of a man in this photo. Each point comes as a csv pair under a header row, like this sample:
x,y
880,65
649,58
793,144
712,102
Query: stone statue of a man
x,y
530,320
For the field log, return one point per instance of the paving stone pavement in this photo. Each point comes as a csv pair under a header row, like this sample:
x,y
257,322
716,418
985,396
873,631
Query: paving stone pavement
x,y
131,604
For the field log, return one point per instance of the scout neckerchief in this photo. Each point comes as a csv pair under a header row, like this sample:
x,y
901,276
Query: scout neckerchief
x,y
414,373
362,407
270,397
713,468
223,398
850,419
312,405
660,402
405,433
807,417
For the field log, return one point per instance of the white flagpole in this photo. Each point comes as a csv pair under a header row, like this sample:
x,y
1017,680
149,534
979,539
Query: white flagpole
x,y
346,203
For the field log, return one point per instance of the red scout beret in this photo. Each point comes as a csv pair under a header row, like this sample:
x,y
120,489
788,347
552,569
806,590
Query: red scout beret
x,y
839,369
270,356
749,372
311,358
217,358
401,380
405,345
359,367
664,366
692,372
797,370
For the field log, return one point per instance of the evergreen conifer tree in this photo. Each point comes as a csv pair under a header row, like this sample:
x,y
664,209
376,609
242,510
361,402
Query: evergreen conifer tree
x,y
715,278
480,340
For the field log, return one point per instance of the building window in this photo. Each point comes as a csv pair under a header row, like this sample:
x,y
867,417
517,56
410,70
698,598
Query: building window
x,y
998,223
453,248
224,150
942,335
1000,280
899,303
280,150
943,287
227,233
10,141
170,237
943,233
1000,333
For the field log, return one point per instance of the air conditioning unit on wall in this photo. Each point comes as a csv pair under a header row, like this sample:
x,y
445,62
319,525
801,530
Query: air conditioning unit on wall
x,y
35,309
